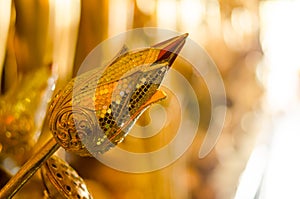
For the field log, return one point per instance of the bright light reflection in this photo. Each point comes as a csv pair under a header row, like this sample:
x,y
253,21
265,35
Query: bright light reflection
x,y
213,17
281,45
167,14
192,13
242,21
252,174
146,6
5,11
282,177
64,16
118,16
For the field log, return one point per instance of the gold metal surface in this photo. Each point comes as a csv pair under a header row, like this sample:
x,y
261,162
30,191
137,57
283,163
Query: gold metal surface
x,y
62,181
239,36
28,169
98,109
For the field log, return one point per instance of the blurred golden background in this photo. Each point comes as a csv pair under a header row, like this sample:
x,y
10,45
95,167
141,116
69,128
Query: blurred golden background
x,y
44,42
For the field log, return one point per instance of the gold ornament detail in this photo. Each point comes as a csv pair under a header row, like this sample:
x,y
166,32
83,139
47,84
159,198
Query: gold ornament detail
x,y
96,110
62,181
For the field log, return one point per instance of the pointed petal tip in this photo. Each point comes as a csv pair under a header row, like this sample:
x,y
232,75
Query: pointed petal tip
x,y
185,35
170,48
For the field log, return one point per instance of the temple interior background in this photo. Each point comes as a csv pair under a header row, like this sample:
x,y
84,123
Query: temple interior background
x,y
255,46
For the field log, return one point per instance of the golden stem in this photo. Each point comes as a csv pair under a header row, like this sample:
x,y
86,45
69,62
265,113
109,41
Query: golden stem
x,y
28,169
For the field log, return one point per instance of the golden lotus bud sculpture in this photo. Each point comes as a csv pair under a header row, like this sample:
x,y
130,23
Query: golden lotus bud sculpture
x,y
96,110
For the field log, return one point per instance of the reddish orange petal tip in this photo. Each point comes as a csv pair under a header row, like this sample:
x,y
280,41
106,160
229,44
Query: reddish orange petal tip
x,y
170,48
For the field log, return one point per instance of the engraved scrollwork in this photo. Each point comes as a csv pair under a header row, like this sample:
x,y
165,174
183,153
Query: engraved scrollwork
x,y
73,127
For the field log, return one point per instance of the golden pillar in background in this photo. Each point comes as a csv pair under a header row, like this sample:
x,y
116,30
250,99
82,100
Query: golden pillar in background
x,y
31,28
92,30
26,40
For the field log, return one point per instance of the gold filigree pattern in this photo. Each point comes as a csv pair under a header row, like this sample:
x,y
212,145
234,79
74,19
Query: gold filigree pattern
x,y
72,125
81,125
96,110
62,181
